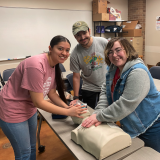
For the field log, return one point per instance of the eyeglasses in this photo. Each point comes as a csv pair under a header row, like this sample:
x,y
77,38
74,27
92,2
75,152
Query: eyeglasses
x,y
116,51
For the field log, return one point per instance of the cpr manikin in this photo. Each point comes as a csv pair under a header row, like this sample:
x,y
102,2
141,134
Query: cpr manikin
x,y
100,141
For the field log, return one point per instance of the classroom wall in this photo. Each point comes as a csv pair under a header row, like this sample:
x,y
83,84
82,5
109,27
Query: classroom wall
x,y
8,64
50,4
78,5
137,11
152,39
85,5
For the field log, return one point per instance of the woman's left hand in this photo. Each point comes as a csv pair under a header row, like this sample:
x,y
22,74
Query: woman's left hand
x,y
74,102
92,120
73,105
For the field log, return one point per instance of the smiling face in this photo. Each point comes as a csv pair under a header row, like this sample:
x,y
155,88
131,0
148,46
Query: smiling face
x,y
84,38
117,55
59,53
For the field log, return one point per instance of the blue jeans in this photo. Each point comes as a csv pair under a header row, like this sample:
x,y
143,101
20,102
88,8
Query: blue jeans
x,y
151,137
22,137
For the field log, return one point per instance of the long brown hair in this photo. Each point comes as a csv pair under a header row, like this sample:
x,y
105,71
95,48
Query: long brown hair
x,y
60,84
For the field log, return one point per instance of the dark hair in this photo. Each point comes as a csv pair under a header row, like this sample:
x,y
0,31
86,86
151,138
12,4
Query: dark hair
x,y
130,51
60,84
158,64
55,40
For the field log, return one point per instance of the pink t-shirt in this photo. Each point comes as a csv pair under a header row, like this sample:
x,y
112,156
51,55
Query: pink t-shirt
x,y
32,74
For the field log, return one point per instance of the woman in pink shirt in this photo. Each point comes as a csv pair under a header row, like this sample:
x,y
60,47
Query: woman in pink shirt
x,y
32,80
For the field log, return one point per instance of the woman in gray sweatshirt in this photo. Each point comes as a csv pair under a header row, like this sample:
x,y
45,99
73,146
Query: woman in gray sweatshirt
x,y
128,95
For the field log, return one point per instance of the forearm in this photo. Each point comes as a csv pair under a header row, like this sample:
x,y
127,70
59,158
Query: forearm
x,y
102,103
76,84
39,102
50,107
57,100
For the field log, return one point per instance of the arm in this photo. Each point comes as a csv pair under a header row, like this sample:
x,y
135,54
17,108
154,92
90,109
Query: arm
x,y
102,104
35,89
76,83
54,97
136,89
75,68
39,102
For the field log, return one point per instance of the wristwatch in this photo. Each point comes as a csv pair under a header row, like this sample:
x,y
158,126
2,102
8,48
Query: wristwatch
x,y
75,97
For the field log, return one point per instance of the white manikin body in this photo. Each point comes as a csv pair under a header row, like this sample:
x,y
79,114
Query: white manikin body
x,y
100,141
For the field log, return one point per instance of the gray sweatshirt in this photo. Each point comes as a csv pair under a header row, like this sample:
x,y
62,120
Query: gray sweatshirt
x,y
136,89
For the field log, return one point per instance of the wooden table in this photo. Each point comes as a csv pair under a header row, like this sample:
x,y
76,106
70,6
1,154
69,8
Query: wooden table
x,y
63,128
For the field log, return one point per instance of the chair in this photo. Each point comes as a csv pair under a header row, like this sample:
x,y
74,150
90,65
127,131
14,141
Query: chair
x,y
149,66
7,73
70,79
1,80
61,66
155,72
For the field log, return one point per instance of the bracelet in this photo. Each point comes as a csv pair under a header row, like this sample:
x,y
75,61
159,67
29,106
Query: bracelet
x,y
75,97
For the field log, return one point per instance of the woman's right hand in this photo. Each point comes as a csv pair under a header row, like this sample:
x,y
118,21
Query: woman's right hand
x,y
76,111
92,120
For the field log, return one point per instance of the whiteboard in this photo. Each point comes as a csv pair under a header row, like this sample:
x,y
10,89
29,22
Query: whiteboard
x,y
26,31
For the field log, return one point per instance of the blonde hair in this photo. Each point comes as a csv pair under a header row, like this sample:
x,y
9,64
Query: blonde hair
x,y
130,51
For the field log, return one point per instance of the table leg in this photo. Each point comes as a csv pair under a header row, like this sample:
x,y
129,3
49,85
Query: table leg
x,y
41,148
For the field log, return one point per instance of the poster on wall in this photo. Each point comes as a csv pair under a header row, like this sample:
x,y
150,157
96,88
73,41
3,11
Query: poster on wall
x,y
158,23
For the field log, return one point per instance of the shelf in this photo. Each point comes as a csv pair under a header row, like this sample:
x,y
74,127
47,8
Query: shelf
x,y
105,26
110,21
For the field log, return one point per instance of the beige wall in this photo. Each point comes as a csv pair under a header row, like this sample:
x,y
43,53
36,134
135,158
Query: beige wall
x,y
152,40
50,4
8,64
59,4
152,47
